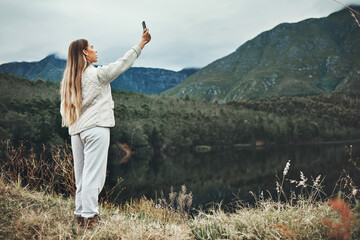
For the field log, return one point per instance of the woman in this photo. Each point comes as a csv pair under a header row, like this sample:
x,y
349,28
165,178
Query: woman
x,y
87,110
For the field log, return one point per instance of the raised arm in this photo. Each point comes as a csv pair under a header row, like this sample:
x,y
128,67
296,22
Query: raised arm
x,y
108,73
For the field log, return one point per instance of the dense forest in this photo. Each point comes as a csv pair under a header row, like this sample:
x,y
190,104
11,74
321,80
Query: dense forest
x,y
30,111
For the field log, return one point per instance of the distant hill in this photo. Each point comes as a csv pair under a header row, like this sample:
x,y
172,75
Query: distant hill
x,y
137,79
310,57
150,80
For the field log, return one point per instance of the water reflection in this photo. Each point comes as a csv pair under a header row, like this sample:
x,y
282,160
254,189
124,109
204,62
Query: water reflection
x,y
220,175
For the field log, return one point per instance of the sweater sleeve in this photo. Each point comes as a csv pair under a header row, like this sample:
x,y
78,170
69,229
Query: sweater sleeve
x,y
108,73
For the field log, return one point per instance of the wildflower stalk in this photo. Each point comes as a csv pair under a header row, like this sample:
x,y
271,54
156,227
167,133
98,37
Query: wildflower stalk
x,y
279,187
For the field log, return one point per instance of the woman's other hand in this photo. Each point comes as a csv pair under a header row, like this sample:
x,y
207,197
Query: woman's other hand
x,y
146,37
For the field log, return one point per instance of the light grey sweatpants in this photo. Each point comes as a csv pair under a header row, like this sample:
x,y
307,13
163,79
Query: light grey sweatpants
x,y
90,153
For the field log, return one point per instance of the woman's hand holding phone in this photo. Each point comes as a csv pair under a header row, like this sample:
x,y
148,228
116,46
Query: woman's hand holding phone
x,y
146,37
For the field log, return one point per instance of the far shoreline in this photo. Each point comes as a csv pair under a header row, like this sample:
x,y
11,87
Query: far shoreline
x,y
210,148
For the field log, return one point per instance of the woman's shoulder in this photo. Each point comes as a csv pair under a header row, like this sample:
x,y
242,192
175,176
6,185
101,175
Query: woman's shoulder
x,y
90,76
90,72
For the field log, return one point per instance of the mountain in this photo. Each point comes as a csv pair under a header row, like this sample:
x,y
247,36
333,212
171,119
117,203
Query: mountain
x,y
51,68
310,57
150,80
137,79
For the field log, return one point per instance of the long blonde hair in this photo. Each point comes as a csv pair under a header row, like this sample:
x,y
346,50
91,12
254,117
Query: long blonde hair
x,y
70,88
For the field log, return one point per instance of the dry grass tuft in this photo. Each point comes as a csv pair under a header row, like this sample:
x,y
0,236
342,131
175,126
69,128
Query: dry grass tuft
x,y
28,214
50,170
269,220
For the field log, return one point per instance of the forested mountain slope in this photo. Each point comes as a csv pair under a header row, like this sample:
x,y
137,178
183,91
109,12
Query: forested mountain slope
x,y
311,57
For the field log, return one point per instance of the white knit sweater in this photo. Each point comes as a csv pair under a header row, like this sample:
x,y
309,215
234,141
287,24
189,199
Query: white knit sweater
x,y
97,104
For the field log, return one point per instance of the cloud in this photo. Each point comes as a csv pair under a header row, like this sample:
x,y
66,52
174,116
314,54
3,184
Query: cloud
x,y
185,33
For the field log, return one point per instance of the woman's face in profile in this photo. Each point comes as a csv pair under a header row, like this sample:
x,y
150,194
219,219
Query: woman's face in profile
x,y
90,53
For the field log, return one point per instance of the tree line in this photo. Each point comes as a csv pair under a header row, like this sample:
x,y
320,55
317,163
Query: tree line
x,y
30,111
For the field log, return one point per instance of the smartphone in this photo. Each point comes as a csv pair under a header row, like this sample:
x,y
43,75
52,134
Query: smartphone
x,y
144,25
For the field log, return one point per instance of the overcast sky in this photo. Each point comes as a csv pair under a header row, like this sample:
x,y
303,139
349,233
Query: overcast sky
x,y
185,33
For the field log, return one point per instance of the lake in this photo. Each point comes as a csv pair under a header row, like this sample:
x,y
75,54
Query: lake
x,y
229,174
